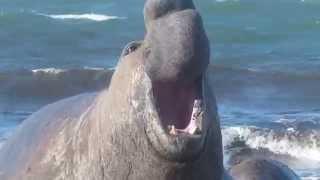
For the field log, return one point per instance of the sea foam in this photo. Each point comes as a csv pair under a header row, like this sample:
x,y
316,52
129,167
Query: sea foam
x,y
49,71
87,16
298,145
53,82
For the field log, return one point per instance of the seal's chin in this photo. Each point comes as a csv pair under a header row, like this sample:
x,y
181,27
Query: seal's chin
x,y
180,107
177,114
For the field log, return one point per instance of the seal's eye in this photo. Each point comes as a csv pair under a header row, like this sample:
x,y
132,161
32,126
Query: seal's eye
x,y
131,47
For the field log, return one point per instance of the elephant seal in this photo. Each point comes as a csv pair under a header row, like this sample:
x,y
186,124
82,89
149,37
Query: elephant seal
x,y
262,169
156,120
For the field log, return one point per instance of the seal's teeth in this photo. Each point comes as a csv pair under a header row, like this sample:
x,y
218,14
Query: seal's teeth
x,y
197,103
192,130
196,109
172,130
197,131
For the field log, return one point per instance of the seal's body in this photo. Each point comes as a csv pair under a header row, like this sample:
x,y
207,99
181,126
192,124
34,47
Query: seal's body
x,y
262,169
157,120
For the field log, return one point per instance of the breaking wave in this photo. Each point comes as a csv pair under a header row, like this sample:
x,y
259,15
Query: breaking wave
x,y
300,141
229,83
53,82
89,16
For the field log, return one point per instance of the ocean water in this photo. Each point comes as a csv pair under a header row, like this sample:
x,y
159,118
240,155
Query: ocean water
x,y
265,66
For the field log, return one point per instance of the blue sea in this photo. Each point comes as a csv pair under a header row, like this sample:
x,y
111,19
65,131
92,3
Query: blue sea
x,y
265,65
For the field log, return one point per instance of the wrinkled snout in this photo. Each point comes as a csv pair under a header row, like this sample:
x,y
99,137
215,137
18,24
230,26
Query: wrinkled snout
x,y
178,48
176,55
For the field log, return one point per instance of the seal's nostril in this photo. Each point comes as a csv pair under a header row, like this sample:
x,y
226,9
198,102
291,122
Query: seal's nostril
x,y
180,47
155,9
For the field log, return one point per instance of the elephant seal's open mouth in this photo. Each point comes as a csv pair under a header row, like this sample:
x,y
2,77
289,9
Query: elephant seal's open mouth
x,y
176,54
180,120
180,107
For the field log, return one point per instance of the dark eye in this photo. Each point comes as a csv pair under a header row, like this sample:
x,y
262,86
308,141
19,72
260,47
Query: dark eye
x,y
131,47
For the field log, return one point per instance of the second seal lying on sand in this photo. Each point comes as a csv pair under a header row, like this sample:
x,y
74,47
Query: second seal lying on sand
x,y
262,169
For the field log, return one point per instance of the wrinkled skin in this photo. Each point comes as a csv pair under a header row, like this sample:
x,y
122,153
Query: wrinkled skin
x,y
178,36
120,133
262,169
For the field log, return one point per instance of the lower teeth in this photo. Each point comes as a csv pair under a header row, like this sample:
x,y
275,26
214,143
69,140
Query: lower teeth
x,y
172,130
193,127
